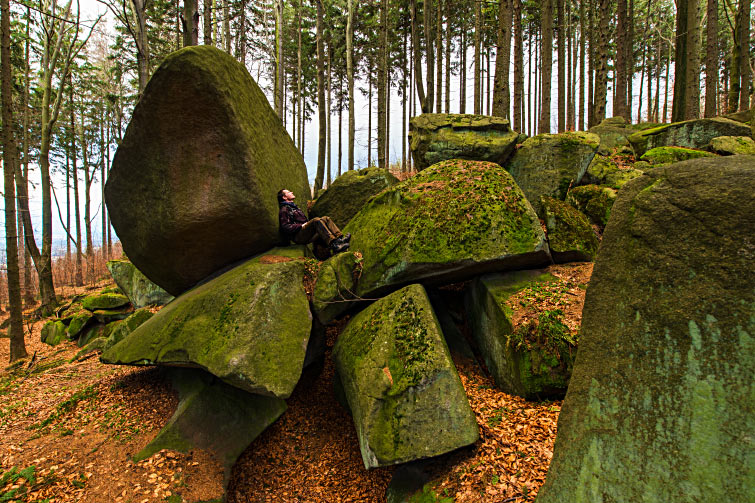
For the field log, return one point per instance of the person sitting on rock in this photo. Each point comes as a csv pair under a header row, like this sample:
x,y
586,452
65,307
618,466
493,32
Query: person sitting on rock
x,y
295,226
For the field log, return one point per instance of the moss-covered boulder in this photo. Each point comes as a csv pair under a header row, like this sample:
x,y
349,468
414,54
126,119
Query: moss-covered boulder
x,y
53,332
335,287
531,361
570,235
439,137
450,222
660,156
548,164
666,362
137,287
110,315
613,133
78,322
194,181
349,192
594,201
93,332
696,133
117,330
733,145
104,301
249,327
214,417
603,171
403,390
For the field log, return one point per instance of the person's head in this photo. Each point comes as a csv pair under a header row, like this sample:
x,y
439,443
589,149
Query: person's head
x,y
285,195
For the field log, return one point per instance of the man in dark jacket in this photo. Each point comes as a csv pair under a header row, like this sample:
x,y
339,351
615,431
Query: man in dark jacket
x,y
295,226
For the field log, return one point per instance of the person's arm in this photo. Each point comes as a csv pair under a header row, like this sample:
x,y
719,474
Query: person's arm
x,y
287,223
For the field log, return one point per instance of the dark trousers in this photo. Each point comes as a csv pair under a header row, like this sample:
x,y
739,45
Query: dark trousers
x,y
322,227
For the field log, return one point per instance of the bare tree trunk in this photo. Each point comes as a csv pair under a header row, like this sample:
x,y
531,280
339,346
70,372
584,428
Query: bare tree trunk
x,y
546,65
601,63
745,8
227,25
561,67
320,98
10,163
87,205
439,48
448,61
643,66
278,90
463,77
190,22
103,174
350,78
207,4
403,103
711,59
582,54
23,177
502,93
620,92
369,118
427,12
142,42
78,275
423,99
477,56
381,83
329,115
518,67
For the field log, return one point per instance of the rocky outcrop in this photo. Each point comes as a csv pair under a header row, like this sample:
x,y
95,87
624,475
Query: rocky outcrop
x,y
334,291
197,172
570,236
440,137
349,192
667,355
403,390
532,361
548,164
452,221
733,145
136,286
104,301
696,133
661,156
594,201
603,171
249,327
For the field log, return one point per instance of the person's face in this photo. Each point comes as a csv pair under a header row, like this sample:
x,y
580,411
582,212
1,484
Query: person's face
x,y
288,195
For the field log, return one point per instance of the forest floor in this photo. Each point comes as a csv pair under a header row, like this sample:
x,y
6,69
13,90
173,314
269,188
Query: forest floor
x,y
68,431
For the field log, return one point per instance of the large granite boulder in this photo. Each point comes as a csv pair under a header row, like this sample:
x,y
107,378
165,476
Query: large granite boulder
x,y
613,133
603,171
660,403
214,417
660,156
531,361
193,184
733,145
696,133
439,137
570,235
452,221
402,388
548,164
594,201
335,287
53,332
349,192
137,287
249,327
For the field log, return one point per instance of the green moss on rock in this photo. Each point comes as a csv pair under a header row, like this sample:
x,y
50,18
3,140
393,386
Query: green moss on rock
x,y
335,286
570,236
535,361
78,322
696,133
188,201
136,286
349,192
53,332
548,164
249,327
449,222
104,301
593,201
603,171
659,156
733,145
439,137
404,393
666,360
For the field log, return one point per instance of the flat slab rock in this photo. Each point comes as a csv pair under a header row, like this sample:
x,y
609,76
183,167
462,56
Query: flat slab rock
x,y
249,326
403,390
452,221
660,403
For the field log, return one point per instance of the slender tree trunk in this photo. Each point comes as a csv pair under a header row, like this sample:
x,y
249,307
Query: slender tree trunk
x,y
502,93
87,204
68,206
569,87
439,48
242,33
582,54
142,42
448,60
278,90
629,47
711,59
686,62
477,56
601,63
546,65
103,175
207,4
369,118
227,25
427,11
78,274
561,66
320,98
350,78
23,176
340,129
665,87
620,92
643,66
423,99
329,114
191,23
299,103
463,78
381,84
403,103
745,8
10,164
529,86
518,67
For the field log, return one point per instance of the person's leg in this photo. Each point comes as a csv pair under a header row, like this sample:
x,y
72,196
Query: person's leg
x,y
324,228
332,227
306,234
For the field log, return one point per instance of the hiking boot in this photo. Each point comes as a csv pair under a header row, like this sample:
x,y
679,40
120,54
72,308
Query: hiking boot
x,y
338,245
346,238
